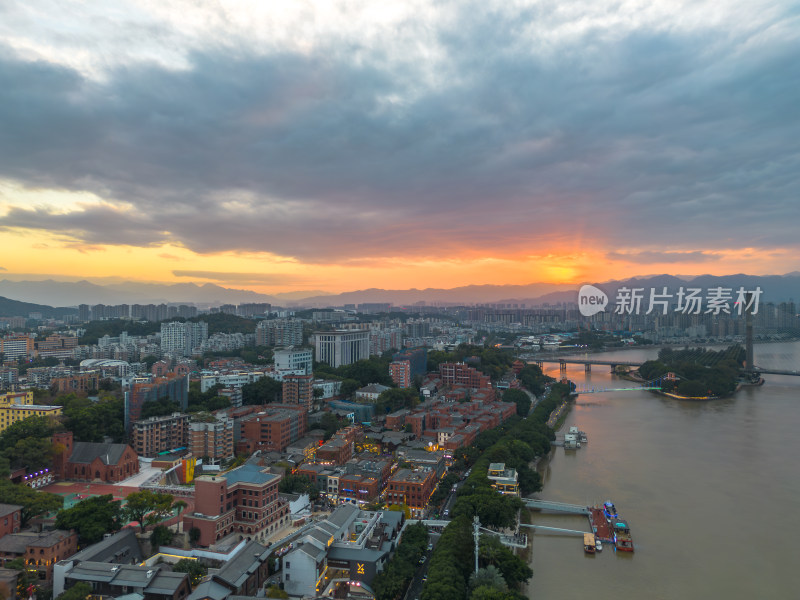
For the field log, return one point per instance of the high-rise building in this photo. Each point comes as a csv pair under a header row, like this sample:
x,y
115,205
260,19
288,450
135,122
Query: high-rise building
x,y
400,371
182,338
211,436
338,348
279,332
299,389
173,387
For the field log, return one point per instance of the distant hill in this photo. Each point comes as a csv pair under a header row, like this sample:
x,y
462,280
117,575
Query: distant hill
x,y
15,308
776,288
73,293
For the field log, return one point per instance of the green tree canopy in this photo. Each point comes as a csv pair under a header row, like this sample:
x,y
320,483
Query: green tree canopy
x,y
91,518
262,391
194,568
147,507
34,503
160,536
520,398
79,591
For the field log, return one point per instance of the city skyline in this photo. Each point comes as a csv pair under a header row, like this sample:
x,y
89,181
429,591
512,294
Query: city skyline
x,y
345,146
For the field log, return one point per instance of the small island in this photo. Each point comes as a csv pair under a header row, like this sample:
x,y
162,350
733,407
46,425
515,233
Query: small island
x,y
699,373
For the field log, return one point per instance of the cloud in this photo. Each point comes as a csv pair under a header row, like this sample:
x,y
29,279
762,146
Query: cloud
x,y
474,129
252,278
3,269
650,257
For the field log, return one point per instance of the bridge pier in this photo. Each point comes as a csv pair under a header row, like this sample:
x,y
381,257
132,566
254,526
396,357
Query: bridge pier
x,y
562,366
613,368
587,367
539,364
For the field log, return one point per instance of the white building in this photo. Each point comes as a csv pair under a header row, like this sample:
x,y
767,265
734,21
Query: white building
x,y
182,338
338,348
294,359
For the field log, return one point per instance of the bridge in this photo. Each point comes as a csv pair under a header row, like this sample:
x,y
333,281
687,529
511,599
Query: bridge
x,y
586,362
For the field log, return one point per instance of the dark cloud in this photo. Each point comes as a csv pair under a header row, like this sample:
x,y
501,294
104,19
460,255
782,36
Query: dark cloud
x,y
652,137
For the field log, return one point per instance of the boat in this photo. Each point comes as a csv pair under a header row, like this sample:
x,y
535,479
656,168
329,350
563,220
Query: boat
x,y
589,543
598,545
622,535
609,509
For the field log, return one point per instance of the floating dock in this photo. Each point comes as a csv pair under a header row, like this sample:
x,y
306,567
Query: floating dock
x,y
600,525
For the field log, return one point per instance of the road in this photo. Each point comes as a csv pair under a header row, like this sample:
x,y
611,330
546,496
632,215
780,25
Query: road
x,y
415,587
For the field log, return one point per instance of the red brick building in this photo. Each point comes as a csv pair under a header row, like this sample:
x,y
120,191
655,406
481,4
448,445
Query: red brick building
x,y
78,383
244,501
461,374
10,515
274,428
358,488
88,461
41,550
336,451
413,488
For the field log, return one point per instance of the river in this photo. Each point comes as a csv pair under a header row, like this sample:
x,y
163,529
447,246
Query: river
x,y
711,490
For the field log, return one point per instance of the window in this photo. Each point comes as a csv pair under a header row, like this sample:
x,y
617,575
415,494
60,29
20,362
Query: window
x,y
287,566
288,577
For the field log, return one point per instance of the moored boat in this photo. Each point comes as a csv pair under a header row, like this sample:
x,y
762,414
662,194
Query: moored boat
x,y
622,535
610,510
589,544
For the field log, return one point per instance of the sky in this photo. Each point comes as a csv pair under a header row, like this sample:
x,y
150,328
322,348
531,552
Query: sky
x,y
335,146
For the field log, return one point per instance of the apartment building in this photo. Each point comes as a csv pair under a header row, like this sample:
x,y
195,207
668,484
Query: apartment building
x,y
16,406
299,389
160,434
211,436
279,332
274,427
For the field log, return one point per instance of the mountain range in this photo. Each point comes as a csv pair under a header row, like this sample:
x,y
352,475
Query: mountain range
x,y
776,288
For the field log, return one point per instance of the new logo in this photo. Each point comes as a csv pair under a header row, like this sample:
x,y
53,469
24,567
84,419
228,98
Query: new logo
x,y
591,300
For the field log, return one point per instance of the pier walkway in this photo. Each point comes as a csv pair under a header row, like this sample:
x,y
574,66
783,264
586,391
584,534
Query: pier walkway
x,y
554,529
561,507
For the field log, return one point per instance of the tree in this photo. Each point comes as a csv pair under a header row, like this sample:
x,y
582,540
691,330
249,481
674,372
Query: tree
x,y
274,591
489,576
147,507
194,536
160,536
520,398
262,391
91,518
195,569
34,503
26,443
79,591
395,399
298,484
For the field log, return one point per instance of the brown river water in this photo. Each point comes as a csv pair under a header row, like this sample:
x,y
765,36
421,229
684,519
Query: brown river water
x,y
711,491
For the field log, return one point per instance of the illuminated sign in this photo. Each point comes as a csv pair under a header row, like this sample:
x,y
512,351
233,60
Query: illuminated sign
x,y
360,568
